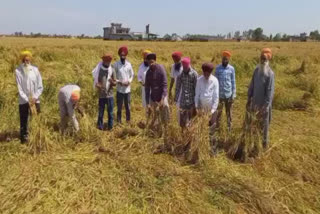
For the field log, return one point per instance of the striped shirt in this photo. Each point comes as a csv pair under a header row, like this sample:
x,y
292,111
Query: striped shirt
x,y
186,88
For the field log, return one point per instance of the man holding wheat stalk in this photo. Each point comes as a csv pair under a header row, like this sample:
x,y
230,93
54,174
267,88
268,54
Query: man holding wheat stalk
x,y
30,88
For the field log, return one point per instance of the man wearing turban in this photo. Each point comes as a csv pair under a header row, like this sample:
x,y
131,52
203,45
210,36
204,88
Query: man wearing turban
x,y
260,94
124,78
185,93
143,68
225,74
105,83
176,69
68,99
157,95
207,99
29,82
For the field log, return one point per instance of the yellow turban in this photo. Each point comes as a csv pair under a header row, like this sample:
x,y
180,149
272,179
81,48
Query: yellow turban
x,y
145,53
24,54
267,52
75,95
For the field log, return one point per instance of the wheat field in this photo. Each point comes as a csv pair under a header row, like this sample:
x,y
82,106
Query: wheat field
x,y
117,172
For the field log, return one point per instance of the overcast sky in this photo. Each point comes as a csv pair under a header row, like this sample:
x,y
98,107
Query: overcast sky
x,y
164,16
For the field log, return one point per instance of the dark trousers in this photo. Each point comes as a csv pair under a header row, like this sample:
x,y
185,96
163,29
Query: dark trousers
x,y
25,112
123,98
228,105
102,104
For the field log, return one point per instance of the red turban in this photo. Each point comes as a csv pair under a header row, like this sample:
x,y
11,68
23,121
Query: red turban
x,y
267,52
177,55
226,54
123,50
207,67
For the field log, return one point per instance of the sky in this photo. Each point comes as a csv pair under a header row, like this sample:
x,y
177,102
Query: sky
x,y
212,17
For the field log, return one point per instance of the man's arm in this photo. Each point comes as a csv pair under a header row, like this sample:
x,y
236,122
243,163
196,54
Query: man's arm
x,y
147,88
251,89
233,83
269,91
164,83
20,89
39,89
178,89
215,97
197,96
171,86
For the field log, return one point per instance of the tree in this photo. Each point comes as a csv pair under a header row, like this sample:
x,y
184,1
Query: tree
x,y
167,37
315,35
237,35
277,37
258,34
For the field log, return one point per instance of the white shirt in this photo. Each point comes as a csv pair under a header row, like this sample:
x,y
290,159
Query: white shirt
x,y
207,94
142,73
124,73
142,78
174,73
29,83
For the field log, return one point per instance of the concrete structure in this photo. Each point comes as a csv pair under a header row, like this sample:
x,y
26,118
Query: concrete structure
x,y
117,32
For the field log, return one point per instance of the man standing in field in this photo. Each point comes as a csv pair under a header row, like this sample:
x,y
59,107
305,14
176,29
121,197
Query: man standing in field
x,y
185,93
176,70
30,88
260,94
105,83
207,100
225,74
68,99
156,92
143,68
124,77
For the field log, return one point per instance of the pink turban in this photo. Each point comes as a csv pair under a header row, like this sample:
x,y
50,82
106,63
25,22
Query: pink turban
x,y
186,61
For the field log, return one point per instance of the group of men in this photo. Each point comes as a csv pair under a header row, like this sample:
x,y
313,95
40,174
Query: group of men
x,y
194,94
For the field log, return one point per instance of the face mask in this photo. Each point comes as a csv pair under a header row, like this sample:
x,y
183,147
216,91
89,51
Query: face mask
x,y
177,66
146,64
123,59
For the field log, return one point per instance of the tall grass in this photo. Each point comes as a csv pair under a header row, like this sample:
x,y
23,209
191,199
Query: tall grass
x,y
116,171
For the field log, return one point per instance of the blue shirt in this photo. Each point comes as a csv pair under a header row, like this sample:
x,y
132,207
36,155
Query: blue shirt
x,y
227,81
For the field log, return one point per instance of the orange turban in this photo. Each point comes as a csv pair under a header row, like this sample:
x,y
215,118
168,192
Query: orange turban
x,y
75,95
267,52
226,54
107,56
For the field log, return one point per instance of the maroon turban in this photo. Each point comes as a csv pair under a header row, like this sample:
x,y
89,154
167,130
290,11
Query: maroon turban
x,y
207,67
123,50
177,55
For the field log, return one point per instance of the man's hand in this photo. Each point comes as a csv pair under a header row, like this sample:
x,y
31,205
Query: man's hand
x,y
126,83
211,120
161,103
98,85
32,101
149,109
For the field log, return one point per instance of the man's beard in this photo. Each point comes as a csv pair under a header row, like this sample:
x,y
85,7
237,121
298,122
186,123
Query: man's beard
x,y
263,68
